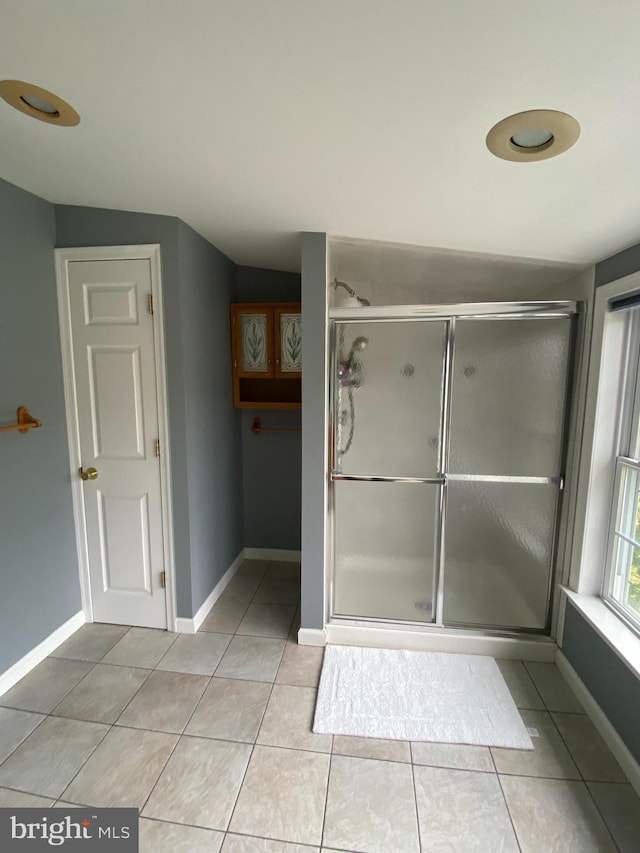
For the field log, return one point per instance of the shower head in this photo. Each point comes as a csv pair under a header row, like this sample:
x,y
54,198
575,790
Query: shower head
x,y
349,367
350,291
358,345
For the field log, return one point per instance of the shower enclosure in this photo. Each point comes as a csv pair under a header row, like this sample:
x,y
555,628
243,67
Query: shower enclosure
x,y
446,462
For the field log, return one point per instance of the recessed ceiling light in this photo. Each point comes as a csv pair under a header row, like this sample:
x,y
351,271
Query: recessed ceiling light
x,y
533,135
532,138
38,103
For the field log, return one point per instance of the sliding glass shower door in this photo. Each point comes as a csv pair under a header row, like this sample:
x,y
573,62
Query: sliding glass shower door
x,y
387,449
446,455
509,384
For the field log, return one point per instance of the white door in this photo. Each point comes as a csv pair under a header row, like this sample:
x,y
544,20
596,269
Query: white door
x,y
114,373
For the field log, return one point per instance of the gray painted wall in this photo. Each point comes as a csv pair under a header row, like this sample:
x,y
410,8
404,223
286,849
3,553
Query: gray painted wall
x,y
610,682
214,454
271,462
314,468
271,471
618,266
197,344
256,285
38,562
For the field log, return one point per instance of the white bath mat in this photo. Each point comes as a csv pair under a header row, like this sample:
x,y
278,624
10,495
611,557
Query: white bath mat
x,y
430,696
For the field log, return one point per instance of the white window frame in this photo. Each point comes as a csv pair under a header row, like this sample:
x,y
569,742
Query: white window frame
x,y
600,446
622,513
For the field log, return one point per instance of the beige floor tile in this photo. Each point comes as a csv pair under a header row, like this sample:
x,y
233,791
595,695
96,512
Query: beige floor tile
x,y
619,805
292,809
555,691
165,702
17,800
225,616
253,658
289,718
230,709
103,694
455,756
278,591
267,620
301,665
588,749
91,642
142,647
371,747
15,726
158,836
46,685
123,769
370,806
555,816
200,783
520,685
550,757
460,810
253,567
284,569
198,654
51,756
241,588
250,844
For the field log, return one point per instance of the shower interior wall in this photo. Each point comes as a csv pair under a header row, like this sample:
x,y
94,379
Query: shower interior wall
x,y
392,413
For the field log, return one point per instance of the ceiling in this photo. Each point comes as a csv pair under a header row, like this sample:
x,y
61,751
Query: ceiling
x,y
253,120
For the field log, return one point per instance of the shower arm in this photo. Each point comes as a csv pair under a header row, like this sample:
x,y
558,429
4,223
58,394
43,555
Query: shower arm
x,y
335,283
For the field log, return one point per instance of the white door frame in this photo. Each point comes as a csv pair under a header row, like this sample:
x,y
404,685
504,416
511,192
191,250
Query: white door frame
x,y
150,252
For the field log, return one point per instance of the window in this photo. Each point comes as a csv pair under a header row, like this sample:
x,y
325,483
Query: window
x,y
621,588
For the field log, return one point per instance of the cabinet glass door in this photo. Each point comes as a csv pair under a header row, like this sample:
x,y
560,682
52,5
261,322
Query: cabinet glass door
x,y
254,336
288,340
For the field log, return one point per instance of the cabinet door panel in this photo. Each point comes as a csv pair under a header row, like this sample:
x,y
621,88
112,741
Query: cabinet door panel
x,y
254,341
288,341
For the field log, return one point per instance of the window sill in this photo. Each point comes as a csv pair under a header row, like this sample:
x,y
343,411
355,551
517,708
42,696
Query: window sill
x,y
624,642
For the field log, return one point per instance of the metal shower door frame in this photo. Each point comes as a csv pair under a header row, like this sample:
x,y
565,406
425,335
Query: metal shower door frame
x,y
448,314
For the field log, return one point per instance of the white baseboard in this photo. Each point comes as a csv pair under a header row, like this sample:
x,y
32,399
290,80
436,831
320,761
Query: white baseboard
x,y
279,554
190,626
600,720
312,637
22,667
441,641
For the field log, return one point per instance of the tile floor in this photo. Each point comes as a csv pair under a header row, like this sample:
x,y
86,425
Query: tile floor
x,y
210,737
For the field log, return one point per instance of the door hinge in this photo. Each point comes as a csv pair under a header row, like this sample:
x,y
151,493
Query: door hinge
x,y
158,447
163,580
150,303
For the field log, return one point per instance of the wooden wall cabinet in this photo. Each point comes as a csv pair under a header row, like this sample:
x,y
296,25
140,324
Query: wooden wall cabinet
x,y
266,342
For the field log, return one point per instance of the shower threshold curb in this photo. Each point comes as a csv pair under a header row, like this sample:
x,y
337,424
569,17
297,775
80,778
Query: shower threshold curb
x,y
541,649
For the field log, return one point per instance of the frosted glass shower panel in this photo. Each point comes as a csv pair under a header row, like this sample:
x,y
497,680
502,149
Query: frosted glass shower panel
x,y
385,550
388,398
509,385
498,553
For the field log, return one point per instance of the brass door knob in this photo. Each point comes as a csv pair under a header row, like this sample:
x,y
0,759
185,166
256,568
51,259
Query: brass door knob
x,y
89,474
